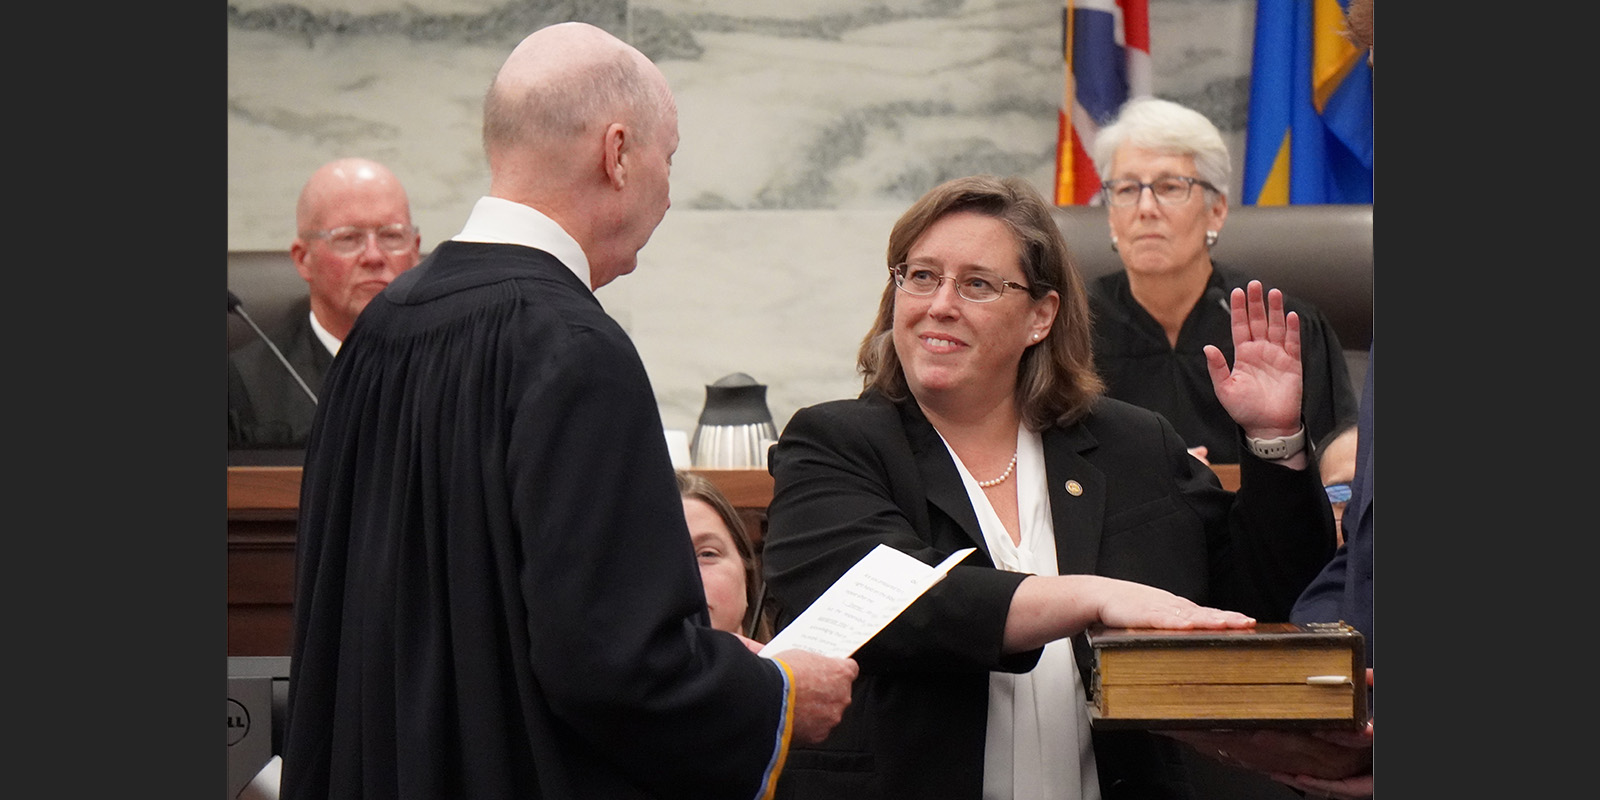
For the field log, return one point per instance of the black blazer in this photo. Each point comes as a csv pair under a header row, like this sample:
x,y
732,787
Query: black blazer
x,y
852,474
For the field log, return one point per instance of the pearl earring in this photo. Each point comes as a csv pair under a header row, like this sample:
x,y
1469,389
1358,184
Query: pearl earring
x,y
1211,238
1113,244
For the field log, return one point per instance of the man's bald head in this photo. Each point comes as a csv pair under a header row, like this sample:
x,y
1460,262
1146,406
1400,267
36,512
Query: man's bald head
x,y
581,126
335,182
559,88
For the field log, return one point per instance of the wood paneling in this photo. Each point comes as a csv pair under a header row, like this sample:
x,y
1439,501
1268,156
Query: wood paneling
x,y
263,505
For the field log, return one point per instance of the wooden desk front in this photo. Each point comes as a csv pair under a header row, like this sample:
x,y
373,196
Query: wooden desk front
x,y
263,507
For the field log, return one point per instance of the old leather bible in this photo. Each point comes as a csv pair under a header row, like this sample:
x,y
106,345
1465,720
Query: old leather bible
x,y
1272,675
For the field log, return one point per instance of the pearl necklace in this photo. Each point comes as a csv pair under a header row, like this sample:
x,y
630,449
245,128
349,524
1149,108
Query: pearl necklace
x,y
1003,476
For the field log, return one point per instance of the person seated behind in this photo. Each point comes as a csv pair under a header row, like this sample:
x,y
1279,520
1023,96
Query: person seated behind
x,y
981,345
1336,461
354,235
1153,319
727,558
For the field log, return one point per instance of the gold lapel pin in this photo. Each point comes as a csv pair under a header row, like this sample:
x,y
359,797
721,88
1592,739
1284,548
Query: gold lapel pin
x,y
1074,488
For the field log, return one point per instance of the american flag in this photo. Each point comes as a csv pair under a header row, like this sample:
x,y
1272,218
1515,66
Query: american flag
x,y
1105,47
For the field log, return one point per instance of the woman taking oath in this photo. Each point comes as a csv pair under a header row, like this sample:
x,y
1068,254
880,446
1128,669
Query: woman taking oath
x,y
982,425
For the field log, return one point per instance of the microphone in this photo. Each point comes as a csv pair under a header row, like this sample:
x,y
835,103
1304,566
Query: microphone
x,y
236,306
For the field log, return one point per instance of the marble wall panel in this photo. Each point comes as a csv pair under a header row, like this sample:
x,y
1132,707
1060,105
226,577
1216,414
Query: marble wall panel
x,y
807,126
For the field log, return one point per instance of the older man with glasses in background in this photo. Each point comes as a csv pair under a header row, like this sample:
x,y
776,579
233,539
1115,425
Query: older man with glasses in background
x,y
354,236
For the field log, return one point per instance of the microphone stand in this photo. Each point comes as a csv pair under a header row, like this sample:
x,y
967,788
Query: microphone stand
x,y
236,306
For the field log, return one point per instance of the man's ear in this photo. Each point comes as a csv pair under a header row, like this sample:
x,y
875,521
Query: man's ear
x,y
298,252
612,152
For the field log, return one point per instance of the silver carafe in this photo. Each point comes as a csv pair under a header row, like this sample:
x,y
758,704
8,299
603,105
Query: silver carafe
x,y
735,427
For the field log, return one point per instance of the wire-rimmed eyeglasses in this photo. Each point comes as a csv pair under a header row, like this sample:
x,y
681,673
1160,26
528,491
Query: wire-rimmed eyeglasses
x,y
1170,190
977,287
352,239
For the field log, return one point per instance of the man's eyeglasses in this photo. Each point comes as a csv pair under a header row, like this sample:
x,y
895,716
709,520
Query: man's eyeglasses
x,y
977,287
349,240
1169,191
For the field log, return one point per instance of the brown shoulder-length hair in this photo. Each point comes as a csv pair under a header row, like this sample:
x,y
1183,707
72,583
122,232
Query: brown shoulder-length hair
x,y
694,486
1056,381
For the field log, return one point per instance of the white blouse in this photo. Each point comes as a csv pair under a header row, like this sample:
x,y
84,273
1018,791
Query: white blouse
x,y
1038,745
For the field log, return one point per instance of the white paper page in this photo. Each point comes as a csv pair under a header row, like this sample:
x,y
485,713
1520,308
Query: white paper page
x,y
865,598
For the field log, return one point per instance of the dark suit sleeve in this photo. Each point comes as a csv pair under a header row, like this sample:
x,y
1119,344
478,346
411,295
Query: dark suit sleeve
x,y
844,482
1320,602
1251,551
1343,590
1280,534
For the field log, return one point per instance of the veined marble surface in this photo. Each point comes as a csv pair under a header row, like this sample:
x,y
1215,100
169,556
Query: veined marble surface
x,y
807,126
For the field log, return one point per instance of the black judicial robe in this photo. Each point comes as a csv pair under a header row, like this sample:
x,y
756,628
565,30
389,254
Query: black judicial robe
x,y
496,594
1139,366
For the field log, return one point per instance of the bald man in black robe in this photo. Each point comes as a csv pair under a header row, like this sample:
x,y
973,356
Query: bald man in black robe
x,y
497,594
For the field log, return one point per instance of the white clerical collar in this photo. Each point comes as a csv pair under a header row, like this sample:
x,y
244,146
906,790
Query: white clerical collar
x,y
328,340
496,220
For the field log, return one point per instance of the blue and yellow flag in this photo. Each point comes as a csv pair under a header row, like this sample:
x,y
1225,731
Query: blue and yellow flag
x,y
1309,136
